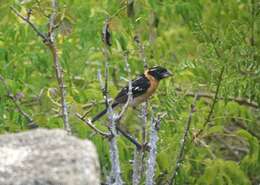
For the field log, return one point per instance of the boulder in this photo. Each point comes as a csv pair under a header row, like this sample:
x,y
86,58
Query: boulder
x,y
47,157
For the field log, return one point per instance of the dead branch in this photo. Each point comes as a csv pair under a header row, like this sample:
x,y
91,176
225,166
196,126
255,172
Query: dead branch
x,y
115,173
93,127
49,41
35,29
154,128
132,139
137,166
130,93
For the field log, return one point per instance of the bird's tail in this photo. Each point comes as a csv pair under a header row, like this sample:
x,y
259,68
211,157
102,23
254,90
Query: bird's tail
x,y
102,113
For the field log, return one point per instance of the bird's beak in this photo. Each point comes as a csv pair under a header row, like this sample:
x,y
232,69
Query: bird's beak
x,y
167,74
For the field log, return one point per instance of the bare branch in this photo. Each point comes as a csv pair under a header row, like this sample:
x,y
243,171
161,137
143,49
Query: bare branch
x,y
88,122
52,19
154,128
58,68
132,139
60,80
31,124
130,93
49,41
35,29
180,156
115,173
137,166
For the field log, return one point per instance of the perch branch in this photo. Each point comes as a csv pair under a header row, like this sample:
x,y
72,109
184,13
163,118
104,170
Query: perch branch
x,y
130,93
131,139
88,122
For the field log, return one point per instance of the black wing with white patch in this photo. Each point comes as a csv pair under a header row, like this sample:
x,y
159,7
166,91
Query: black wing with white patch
x,y
139,87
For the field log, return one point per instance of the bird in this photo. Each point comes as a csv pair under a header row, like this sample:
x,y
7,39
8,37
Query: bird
x,y
143,87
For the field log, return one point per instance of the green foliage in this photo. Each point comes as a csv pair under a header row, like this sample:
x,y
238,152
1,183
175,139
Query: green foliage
x,y
194,39
220,172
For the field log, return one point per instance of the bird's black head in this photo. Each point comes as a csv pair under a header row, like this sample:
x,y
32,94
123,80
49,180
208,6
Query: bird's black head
x,y
159,72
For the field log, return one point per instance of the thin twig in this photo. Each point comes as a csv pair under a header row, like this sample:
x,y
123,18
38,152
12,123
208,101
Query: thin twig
x,y
35,29
180,156
60,80
118,11
220,78
141,50
131,139
130,93
31,124
144,105
93,127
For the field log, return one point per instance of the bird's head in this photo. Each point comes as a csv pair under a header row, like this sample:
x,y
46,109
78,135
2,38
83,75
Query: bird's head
x,y
159,72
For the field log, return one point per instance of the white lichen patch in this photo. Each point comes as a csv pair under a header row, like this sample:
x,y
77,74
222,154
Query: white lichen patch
x,y
10,156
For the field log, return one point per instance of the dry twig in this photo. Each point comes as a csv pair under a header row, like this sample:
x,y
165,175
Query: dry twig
x,y
93,127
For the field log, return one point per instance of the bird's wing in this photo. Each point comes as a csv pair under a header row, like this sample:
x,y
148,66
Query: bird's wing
x,y
139,87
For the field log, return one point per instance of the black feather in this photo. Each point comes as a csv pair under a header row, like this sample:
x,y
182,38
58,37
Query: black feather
x,y
102,113
139,87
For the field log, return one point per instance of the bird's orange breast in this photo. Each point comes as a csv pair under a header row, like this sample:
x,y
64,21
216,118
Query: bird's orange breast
x,y
150,91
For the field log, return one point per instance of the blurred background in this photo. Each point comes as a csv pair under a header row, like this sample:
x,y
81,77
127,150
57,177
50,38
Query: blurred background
x,y
211,46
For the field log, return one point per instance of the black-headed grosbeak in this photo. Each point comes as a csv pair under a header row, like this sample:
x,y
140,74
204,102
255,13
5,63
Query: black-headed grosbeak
x,y
142,88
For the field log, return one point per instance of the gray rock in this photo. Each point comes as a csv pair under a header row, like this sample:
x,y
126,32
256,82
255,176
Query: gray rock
x,y
47,157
